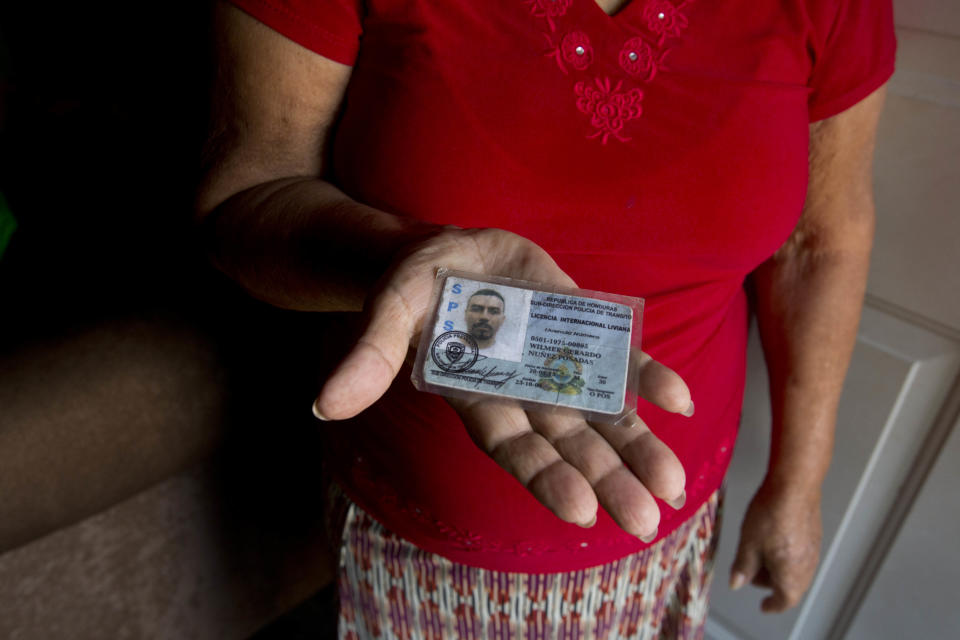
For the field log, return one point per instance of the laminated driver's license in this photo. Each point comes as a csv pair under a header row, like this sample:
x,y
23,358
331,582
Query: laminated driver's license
x,y
541,346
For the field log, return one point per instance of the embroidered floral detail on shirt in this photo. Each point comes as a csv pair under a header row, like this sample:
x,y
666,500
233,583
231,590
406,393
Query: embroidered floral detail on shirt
x,y
549,9
608,108
463,539
664,19
530,548
576,49
638,59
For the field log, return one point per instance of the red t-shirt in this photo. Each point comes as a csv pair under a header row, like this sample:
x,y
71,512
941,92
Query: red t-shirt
x,y
661,153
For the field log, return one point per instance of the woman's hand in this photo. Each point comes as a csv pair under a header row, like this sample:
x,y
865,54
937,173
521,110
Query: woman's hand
x,y
569,465
779,545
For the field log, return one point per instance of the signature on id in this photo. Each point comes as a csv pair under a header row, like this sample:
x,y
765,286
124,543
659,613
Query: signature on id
x,y
491,375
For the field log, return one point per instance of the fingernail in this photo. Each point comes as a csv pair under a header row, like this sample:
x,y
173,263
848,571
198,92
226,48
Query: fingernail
x,y
737,580
649,538
689,410
589,524
677,503
316,412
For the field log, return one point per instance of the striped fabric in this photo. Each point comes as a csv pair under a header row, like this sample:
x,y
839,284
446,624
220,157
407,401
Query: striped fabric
x,y
391,589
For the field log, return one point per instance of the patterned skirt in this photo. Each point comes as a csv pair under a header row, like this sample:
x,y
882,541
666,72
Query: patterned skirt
x,y
390,589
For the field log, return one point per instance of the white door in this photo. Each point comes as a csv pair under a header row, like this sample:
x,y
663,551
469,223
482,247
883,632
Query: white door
x,y
889,569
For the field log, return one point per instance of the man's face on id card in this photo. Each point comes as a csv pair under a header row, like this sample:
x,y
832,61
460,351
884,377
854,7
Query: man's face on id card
x,y
484,315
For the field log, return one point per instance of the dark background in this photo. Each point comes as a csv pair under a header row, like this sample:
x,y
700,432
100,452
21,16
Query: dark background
x,y
103,112
103,109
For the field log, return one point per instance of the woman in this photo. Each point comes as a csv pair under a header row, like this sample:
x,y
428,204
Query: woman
x,y
654,148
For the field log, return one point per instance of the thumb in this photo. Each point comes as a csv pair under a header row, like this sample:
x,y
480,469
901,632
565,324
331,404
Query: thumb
x,y
369,368
746,565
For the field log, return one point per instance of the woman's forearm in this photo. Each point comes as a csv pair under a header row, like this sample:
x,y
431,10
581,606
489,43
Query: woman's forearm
x,y
268,218
808,307
808,301
810,294
301,243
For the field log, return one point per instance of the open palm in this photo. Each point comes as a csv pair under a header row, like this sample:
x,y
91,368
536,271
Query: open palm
x,y
568,464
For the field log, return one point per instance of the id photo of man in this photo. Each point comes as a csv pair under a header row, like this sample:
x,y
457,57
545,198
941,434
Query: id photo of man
x,y
495,316
485,313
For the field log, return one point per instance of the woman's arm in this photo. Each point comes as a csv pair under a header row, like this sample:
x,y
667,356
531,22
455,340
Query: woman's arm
x,y
809,298
263,186
291,238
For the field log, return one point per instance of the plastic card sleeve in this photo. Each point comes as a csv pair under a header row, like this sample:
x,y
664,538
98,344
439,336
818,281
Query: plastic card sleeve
x,y
540,347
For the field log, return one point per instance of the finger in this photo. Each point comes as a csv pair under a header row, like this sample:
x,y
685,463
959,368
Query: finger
x,y
661,385
619,491
746,565
534,262
786,590
370,367
776,602
504,432
652,461
763,578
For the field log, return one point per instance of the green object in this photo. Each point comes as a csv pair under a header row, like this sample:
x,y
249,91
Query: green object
x,y
8,224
